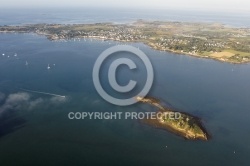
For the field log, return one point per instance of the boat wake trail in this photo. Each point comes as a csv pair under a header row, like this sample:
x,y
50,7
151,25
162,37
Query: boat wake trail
x,y
45,93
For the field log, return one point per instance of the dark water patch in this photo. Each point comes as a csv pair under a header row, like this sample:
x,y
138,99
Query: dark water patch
x,y
10,123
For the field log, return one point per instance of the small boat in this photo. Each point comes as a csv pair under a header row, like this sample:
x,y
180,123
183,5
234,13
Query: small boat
x,y
26,63
48,67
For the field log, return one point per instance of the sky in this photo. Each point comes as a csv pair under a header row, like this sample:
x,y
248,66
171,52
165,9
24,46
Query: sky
x,y
235,5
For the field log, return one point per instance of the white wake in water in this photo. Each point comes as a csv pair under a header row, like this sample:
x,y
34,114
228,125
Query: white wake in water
x,y
45,93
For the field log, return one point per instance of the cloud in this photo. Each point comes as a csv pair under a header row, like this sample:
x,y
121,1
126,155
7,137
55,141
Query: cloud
x,y
58,100
23,100
34,103
14,102
11,104
17,98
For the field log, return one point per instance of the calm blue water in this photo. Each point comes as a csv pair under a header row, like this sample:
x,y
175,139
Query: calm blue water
x,y
217,92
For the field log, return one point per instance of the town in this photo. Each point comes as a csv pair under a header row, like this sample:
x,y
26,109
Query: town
x,y
206,40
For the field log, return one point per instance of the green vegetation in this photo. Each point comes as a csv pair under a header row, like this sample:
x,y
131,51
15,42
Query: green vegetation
x,y
197,39
185,125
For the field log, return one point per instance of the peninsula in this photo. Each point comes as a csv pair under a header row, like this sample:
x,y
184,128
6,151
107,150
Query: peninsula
x,y
186,126
204,40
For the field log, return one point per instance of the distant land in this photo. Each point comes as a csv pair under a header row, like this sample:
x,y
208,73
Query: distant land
x,y
204,40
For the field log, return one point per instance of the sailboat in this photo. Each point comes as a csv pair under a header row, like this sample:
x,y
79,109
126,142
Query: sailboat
x,y
48,67
26,63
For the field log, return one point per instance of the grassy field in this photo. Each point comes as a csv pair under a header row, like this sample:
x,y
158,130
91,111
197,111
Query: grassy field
x,y
223,54
243,54
210,40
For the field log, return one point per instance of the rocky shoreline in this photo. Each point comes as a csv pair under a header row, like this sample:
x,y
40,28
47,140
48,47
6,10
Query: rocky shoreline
x,y
187,126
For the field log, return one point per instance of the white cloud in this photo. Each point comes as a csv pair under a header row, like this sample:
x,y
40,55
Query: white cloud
x,y
35,103
23,100
58,100
17,98
15,102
